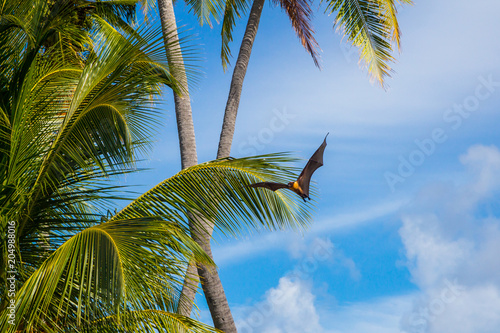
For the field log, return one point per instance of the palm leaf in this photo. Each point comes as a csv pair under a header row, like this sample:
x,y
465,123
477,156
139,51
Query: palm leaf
x,y
233,9
217,191
65,126
107,109
149,321
120,265
300,14
390,11
370,26
204,9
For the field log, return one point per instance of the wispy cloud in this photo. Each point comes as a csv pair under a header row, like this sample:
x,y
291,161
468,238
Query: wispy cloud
x,y
451,235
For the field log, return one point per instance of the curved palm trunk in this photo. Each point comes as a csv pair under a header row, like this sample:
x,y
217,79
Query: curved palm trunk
x,y
240,69
212,286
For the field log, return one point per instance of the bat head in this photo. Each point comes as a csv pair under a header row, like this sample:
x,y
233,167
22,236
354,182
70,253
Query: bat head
x,y
290,184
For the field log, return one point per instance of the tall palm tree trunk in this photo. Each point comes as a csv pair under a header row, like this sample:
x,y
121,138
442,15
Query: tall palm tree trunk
x,y
183,111
212,286
185,126
240,69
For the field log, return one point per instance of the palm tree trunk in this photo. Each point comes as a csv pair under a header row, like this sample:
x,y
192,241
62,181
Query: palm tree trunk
x,y
212,286
240,69
185,126
211,283
183,111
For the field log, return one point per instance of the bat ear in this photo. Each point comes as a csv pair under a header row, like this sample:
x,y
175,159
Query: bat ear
x,y
327,135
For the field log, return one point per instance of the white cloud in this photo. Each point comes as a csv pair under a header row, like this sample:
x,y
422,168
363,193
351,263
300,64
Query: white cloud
x,y
448,236
484,163
454,308
476,310
288,308
430,255
291,308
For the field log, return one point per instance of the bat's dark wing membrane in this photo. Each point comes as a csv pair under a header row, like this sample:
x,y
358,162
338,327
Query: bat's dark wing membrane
x,y
269,185
312,165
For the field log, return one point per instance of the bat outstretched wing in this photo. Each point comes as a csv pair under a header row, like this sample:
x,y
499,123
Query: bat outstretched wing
x,y
269,185
312,165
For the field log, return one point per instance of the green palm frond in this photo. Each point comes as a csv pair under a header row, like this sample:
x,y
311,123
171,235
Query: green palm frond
x,y
389,7
116,11
370,26
233,10
218,191
104,270
120,14
67,125
204,9
150,321
92,122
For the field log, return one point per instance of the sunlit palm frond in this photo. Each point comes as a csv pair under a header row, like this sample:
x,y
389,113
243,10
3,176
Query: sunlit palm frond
x,y
149,321
107,110
233,9
370,26
120,14
65,126
217,191
120,265
390,11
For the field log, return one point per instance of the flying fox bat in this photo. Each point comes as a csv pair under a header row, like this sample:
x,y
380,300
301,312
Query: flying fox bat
x,y
301,185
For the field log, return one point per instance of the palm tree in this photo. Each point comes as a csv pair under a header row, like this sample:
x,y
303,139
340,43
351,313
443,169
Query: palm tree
x,y
69,122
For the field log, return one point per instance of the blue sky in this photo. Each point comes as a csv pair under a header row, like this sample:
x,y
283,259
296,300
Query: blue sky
x,y
406,230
